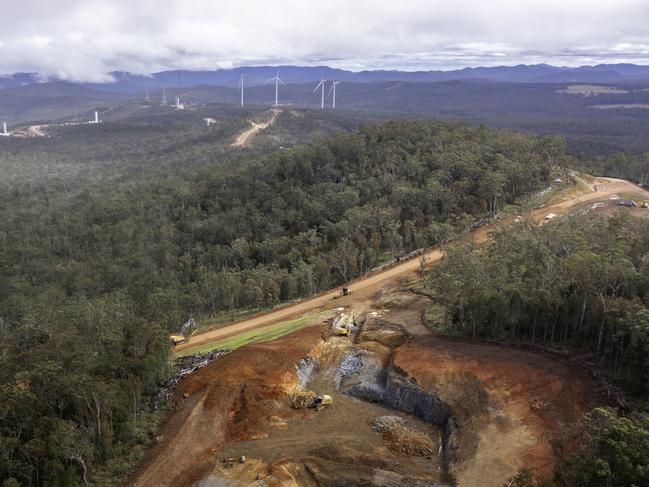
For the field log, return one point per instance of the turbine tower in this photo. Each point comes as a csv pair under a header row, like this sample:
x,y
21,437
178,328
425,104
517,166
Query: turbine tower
x,y
146,93
277,82
164,96
241,88
322,86
333,90
4,130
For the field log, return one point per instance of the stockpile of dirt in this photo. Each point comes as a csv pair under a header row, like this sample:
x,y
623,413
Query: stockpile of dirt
x,y
402,438
381,330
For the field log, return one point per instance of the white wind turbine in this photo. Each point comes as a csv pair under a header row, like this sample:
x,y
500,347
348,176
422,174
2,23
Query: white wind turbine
x,y
277,82
333,89
322,86
241,88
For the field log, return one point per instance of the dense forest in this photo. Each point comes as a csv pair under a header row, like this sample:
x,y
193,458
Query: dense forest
x,y
92,279
580,283
621,165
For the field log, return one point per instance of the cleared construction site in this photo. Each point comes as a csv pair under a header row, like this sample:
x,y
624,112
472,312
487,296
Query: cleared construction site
x,y
383,403
366,394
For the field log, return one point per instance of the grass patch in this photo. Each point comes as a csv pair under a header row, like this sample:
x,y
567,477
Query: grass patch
x,y
264,334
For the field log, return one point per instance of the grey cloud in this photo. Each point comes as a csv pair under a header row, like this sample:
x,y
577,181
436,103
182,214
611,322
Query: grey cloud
x,y
86,39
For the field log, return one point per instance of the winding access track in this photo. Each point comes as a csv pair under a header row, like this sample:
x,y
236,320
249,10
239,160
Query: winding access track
x,y
600,190
247,135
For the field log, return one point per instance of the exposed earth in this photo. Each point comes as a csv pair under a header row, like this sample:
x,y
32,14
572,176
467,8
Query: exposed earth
x,y
249,134
409,407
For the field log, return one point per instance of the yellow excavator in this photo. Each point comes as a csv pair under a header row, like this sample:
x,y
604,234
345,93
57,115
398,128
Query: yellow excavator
x,y
342,324
186,330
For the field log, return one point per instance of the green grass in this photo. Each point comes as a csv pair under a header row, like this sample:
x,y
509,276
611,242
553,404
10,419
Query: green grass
x,y
264,334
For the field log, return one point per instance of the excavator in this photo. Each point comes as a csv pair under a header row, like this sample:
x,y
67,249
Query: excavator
x,y
186,330
342,324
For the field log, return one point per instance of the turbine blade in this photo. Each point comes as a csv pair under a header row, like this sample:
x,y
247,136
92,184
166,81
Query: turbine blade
x,y
331,89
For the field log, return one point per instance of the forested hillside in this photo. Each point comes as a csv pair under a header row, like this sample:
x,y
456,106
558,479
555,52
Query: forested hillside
x,y
580,283
92,279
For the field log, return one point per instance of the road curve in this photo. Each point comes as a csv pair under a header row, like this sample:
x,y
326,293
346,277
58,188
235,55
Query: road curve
x,y
602,189
247,135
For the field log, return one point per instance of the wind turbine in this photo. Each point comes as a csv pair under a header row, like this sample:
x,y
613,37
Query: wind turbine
x,y
241,88
322,86
277,82
333,89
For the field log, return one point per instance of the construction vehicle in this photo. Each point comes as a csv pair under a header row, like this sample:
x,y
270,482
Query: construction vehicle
x,y
628,203
186,330
309,399
343,292
341,331
342,324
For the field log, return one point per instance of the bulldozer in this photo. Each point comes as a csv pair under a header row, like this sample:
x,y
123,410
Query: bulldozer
x,y
186,330
343,292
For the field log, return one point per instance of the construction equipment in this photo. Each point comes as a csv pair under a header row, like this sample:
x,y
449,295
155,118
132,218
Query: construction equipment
x,y
342,324
645,204
309,399
341,331
628,203
186,330
343,292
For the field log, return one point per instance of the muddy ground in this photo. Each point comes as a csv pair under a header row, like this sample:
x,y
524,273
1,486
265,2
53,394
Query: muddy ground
x,y
409,408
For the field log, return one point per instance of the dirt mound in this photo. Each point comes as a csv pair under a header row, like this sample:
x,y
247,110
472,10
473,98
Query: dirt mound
x,y
382,331
403,438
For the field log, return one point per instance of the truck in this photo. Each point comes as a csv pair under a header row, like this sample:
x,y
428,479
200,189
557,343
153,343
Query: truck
x,y
343,292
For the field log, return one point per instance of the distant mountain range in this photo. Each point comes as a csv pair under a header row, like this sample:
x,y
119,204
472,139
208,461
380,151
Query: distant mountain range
x,y
127,83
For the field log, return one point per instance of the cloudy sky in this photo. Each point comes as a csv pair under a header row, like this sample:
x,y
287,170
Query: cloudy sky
x,y
84,40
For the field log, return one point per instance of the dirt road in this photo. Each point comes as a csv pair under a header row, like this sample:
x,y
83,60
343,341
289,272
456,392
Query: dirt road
x,y
37,130
602,189
246,136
